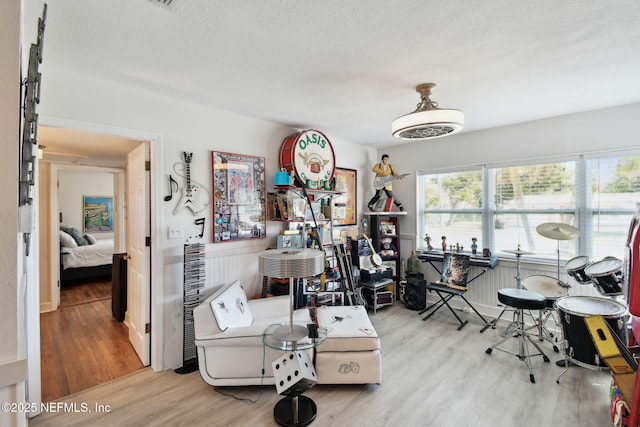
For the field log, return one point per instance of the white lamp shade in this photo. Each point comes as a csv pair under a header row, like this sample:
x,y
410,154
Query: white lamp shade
x,y
291,263
286,263
428,124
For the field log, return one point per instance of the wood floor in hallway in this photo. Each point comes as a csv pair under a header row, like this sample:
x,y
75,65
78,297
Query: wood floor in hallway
x,y
81,344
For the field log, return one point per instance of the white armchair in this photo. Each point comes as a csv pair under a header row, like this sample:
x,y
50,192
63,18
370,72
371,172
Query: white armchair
x,y
229,336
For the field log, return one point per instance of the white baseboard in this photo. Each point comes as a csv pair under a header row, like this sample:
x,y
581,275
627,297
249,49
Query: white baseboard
x,y
13,372
47,306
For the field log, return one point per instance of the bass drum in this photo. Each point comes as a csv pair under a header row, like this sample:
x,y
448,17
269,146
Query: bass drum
x,y
309,154
578,344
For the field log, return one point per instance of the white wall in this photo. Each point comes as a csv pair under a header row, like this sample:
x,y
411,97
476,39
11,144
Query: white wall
x,y
9,136
185,126
12,369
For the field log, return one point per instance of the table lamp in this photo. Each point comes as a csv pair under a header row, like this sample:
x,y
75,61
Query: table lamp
x,y
291,263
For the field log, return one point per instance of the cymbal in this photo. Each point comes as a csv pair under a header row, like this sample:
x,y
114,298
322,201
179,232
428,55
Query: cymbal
x,y
558,231
518,252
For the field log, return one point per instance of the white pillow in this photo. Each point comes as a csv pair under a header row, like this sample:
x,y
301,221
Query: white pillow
x,y
230,307
92,240
66,241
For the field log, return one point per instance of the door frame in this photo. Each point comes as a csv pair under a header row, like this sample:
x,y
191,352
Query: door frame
x,y
157,223
118,215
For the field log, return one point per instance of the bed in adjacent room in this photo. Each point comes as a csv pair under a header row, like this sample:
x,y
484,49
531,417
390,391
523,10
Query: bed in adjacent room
x,y
84,258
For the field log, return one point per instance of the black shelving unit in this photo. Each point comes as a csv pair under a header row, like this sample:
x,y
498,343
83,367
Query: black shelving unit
x,y
387,225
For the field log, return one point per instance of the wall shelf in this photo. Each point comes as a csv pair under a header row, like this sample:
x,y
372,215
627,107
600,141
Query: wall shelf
x,y
386,225
288,204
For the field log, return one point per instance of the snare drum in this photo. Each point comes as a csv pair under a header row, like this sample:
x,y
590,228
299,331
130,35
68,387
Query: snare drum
x,y
606,276
578,343
550,287
575,268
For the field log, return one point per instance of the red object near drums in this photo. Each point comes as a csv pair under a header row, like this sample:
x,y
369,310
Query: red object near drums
x,y
632,270
309,154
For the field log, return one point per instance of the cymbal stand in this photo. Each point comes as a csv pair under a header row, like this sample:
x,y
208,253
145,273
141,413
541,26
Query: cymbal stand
x,y
518,278
558,253
543,315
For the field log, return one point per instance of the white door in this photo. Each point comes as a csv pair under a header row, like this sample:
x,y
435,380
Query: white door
x,y
138,276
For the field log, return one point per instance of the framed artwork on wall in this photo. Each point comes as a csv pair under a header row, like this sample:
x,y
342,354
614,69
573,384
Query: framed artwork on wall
x,y
238,197
347,183
97,214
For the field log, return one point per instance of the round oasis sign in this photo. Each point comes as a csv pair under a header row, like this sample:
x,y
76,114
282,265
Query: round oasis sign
x,y
309,154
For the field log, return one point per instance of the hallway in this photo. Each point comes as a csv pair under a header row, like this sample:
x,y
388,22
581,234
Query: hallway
x,y
82,345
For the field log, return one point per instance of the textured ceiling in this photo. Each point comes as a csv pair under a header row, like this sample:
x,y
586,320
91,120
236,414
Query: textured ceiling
x,y
348,68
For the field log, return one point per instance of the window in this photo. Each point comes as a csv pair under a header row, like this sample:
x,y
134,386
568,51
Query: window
x,y
614,196
452,207
526,196
502,206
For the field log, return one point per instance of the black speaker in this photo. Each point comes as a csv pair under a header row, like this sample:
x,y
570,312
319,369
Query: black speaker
x,y
415,296
119,286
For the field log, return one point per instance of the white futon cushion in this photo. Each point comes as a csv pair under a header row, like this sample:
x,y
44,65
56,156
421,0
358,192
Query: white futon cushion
x,y
230,307
348,329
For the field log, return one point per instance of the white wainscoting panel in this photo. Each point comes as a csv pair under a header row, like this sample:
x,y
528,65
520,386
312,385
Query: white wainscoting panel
x,y
222,265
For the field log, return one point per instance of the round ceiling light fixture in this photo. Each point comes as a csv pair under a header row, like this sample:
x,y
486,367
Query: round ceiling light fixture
x,y
427,121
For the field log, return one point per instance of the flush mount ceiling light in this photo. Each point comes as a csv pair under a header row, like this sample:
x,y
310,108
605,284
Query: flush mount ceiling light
x,y
427,121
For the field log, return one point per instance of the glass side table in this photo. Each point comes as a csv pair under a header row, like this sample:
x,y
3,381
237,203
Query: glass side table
x,y
294,409
303,344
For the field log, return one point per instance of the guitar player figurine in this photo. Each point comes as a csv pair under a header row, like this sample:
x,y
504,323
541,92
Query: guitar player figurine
x,y
385,171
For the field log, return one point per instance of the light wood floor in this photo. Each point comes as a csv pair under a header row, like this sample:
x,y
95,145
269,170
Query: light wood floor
x,y
81,344
433,375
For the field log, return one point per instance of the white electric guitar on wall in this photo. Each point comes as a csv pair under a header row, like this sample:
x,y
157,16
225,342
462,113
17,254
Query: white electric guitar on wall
x,y
190,191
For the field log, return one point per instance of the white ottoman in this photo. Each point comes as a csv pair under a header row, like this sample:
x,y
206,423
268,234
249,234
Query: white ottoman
x,y
351,352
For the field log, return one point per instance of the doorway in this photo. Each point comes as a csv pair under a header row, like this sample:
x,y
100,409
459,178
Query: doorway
x,y
87,328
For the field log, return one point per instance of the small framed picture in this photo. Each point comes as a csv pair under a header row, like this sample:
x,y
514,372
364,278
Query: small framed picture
x,y
346,182
97,213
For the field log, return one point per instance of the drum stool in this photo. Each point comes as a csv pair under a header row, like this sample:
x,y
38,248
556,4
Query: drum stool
x,y
544,334
521,300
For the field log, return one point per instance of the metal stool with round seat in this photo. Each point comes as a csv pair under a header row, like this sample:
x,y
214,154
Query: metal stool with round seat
x,y
521,300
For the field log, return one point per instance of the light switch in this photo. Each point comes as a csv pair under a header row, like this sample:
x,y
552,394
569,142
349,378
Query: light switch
x,y
176,232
